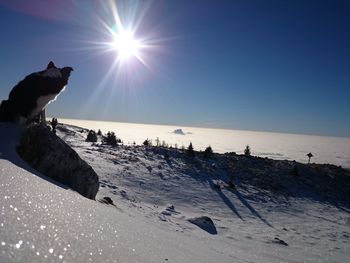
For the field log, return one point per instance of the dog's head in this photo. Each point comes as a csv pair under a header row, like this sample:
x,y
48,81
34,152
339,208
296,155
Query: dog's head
x,y
55,72
66,72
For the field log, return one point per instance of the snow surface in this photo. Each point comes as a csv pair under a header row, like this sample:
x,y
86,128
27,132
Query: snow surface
x,y
41,221
155,199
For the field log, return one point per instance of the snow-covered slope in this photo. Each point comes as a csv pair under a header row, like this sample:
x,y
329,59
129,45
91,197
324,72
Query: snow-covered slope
x,y
251,226
155,197
41,221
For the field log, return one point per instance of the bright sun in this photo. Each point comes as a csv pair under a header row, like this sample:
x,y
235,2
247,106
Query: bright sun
x,y
129,43
126,45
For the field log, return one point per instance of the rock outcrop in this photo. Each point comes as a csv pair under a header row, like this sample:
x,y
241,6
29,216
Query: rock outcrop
x,y
204,223
51,156
179,132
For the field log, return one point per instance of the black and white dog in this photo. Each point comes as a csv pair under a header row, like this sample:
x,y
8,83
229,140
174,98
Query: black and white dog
x,y
31,95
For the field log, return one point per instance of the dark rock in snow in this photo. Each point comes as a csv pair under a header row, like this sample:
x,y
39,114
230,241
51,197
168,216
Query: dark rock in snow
x,y
106,200
171,208
204,223
51,156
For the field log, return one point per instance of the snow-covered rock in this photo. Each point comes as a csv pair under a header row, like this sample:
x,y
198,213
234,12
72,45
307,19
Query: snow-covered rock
x,y
179,132
50,155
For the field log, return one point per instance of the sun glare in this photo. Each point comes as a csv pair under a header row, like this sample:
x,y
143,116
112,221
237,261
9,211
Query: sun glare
x,y
128,41
126,45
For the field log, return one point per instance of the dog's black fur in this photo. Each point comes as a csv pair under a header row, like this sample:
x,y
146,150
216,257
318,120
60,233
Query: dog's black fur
x,y
24,97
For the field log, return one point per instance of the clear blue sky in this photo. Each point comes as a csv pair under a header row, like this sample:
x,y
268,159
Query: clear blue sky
x,y
255,65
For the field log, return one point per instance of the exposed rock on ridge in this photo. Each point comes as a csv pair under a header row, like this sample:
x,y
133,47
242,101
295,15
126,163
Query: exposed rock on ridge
x,y
51,156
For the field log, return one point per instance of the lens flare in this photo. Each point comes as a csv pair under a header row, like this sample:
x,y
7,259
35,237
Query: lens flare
x,y
126,45
127,38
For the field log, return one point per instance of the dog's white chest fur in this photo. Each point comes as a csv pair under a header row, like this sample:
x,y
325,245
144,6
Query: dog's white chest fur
x,y
41,103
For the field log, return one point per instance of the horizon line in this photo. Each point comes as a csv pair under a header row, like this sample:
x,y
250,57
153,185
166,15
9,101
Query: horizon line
x,y
212,128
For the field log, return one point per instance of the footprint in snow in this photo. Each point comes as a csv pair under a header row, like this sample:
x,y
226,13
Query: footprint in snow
x,y
126,196
162,217
279,241
169,212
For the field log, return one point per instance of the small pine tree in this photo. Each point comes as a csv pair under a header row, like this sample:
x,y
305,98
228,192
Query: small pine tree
x,y
247,151
309,155
54,123
208,152
99,133
190,150
157,142
147,142
91,137
111,139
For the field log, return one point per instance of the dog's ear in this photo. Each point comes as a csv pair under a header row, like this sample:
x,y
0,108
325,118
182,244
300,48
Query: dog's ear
x,y
51,65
